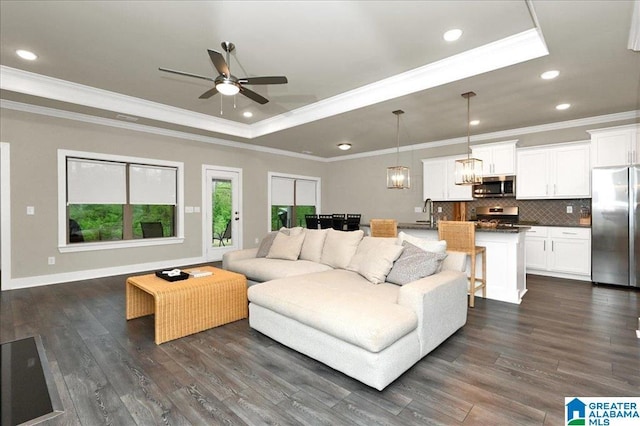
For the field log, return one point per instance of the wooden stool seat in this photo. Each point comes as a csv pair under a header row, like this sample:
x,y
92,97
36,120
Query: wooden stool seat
x,y
461,236
383,227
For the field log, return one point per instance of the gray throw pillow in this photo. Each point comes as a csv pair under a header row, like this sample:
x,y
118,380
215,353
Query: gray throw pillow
x,y
266,243
413,264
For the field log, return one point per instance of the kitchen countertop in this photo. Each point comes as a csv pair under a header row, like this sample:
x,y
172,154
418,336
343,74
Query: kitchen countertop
x,y
426,227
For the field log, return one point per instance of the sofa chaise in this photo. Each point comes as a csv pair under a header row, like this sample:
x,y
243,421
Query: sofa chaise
x,y
326,294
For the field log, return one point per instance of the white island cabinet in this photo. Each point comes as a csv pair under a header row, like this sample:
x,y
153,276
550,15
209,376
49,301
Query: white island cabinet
x,y
506,277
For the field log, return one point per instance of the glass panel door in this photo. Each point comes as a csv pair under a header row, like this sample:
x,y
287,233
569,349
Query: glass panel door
x,y
222,213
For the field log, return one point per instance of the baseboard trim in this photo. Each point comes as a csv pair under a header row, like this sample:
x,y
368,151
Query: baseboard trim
x,y
40,280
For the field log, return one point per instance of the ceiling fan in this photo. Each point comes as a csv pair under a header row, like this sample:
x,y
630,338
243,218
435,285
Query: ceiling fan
x,y
228,84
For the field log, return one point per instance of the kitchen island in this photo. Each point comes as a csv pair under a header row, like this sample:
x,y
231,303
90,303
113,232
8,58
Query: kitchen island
x,y
506,276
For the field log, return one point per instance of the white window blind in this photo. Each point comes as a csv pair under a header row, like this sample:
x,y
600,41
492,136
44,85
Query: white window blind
x,y
281,191
152,185
96,182
305,192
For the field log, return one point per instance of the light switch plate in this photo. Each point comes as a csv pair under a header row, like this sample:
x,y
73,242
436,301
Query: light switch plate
x,y
196,209
31,210
569,209
417,209
188,209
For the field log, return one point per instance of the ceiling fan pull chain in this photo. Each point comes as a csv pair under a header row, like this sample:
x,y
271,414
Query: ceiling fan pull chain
x,y
221,106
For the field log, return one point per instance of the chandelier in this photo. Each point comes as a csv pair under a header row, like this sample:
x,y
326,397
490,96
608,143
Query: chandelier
x,y
468,171
398,176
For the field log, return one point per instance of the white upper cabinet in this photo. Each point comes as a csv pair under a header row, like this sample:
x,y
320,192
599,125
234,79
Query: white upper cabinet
x,y
615,146
557,171
498,159
439,180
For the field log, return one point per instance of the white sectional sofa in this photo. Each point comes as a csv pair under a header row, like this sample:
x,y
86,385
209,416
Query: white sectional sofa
x,y
329,300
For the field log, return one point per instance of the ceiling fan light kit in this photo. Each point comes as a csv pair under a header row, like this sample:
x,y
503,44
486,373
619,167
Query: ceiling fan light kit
x,y
468,171
227,84
398,177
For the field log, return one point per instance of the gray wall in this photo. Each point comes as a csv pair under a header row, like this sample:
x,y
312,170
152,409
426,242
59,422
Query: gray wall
x,y
34,141
349,186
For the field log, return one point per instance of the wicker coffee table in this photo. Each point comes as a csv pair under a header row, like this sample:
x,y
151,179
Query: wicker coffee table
x,y
190,306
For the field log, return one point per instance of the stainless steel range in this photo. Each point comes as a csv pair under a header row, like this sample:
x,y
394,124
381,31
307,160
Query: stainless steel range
x,y
502,217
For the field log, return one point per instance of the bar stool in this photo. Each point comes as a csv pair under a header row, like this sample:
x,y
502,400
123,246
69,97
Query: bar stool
x,y
461,236
383,227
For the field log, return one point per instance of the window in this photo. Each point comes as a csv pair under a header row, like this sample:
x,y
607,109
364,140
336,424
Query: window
x,y
112,199
292,197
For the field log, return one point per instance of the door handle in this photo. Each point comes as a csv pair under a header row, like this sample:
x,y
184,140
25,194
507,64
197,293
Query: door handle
x,y
551,245
544,247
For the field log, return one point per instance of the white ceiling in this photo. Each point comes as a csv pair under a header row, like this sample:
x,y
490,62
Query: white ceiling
x,y
345,62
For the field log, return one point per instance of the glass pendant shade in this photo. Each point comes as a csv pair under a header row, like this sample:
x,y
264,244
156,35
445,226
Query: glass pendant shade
x,y
398,177
227,88
468,171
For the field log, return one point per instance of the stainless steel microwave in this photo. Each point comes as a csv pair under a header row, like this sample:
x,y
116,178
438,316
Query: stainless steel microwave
x,y
495,187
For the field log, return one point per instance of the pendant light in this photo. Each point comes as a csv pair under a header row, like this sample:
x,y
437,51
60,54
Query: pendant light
x,y
468,171
398,176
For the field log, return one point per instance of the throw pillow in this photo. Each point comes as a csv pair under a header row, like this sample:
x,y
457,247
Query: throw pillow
x,y
339,247
374,258
286,247
265,244
292,231
413,264
313,243
434,246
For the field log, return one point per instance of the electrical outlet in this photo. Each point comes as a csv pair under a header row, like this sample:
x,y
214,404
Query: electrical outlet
x,y
51,260
569,209
257,241
439,209
31,210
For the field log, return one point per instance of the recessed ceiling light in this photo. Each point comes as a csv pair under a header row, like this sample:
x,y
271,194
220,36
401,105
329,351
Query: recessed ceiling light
x,y
25,54
452,35
549,75
563,106
474,122
247,114
344,146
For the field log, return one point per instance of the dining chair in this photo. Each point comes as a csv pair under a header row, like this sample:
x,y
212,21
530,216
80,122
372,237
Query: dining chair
x,y
353,221
338,221
326,221
311,221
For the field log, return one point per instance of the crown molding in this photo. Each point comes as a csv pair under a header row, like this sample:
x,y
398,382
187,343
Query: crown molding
x,y
507,134
61,90
75,116
508,51
511,50
580,122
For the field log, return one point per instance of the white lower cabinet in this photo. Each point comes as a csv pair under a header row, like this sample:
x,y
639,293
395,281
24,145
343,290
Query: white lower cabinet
x,y
559,251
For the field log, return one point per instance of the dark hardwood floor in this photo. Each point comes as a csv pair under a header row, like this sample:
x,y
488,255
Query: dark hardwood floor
x,y
509,365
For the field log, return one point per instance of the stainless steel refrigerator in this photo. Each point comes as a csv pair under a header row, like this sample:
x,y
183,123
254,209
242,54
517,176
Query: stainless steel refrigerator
x,y
615,225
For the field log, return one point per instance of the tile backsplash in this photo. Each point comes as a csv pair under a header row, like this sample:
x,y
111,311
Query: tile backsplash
x,y
545,212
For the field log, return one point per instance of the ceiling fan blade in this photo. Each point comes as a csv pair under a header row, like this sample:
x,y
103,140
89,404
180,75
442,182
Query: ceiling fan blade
x,y
208,93
219,62
253,95
187,74
263,80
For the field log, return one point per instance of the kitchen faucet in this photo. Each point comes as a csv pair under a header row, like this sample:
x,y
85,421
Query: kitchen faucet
x,y
428,208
